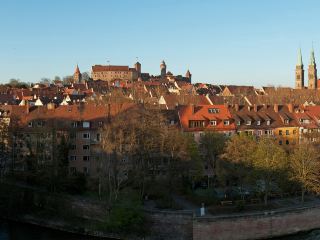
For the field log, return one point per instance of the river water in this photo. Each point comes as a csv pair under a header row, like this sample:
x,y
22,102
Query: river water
x,y
17,231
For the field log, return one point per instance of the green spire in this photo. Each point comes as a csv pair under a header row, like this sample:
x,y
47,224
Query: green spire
x,y
300,63
312,59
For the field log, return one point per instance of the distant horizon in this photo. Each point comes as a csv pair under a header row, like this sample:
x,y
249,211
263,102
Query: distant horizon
x,y
226,43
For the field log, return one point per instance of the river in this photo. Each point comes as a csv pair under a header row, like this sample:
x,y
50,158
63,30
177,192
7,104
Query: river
x,y
17,231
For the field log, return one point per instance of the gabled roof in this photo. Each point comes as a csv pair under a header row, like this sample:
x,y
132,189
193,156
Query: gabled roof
x,y
201,113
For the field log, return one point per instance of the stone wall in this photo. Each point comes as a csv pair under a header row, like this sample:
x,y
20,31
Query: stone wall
x,y
170,225
256,226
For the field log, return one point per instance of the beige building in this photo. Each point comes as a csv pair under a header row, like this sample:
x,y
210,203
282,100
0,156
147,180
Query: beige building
x,y
111,72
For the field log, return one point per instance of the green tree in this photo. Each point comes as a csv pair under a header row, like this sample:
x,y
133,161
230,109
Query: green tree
x,y
238,154
269,161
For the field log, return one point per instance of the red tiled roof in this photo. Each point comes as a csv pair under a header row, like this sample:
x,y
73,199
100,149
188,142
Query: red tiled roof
x,y
201,113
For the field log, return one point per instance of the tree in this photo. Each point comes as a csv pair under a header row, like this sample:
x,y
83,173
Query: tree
x,y
211,146
269,161
45,81
238,155
305,168
57,80
85,76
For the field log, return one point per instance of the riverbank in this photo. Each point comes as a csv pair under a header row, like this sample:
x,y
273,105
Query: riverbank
x,y
87,217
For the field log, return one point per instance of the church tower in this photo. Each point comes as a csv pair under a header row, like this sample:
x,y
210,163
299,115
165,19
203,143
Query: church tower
x,y
312,72
299,72
163,68
77,77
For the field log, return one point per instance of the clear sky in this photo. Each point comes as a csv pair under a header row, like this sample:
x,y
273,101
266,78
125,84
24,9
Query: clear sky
x,y
244,42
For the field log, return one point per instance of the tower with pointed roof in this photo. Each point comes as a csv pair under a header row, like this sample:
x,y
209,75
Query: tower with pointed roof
x,y
299,72
163,69
312,72
77,77
189,75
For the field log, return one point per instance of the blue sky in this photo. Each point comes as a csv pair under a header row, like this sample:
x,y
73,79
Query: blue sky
x,y
244,42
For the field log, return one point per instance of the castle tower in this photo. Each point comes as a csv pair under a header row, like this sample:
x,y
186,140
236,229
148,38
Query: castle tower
x,y
312,72
77,75
299,72
163,68
137,66
189,75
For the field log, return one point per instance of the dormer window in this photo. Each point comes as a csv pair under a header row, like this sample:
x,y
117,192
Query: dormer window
x,y
286,121
213,123
86,124
213,110
226,122
248,122
238,123
30,124
258,123
268,122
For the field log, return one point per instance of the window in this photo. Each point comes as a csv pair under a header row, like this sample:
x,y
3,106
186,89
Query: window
x,y
85,135
226,122
86,158
74,124
40,123
73,147
30,124
287,142
85,147
268,122
85,170
194,124
213,122
286,121
213,110
86,124
238,123
100,123
280,142
73,170
73,158
72,135
259,132
280,132
287,132
98,137
248,122
258,122
294,132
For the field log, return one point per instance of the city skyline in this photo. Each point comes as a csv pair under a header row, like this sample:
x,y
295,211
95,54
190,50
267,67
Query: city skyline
x,y
243,43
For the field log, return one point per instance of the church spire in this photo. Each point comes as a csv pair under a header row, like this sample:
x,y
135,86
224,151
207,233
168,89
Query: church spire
x,y
299,63
312,59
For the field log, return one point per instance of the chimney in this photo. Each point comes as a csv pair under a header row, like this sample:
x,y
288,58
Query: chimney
x,y
276,107
236,107
255,107
290,107
50,106
27,107
192,108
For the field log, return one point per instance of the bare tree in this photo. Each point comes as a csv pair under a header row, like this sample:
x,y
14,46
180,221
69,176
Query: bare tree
x,y
305,168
